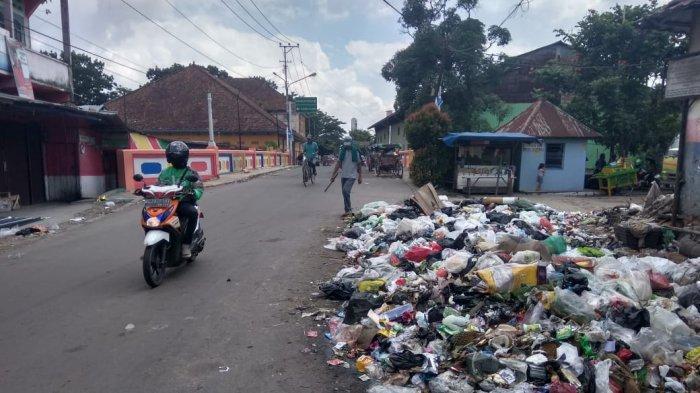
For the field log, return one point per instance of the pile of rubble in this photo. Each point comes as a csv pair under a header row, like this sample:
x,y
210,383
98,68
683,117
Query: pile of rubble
x,y
508,297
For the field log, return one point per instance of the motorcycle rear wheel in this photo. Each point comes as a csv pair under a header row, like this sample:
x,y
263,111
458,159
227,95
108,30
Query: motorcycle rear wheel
x,y
154,264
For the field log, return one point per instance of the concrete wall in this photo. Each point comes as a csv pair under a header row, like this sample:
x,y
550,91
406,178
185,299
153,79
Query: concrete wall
x,y
398,135
690,203
248,141
570,177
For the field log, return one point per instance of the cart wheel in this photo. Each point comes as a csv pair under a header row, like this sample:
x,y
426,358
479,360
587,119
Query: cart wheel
x,y
399,171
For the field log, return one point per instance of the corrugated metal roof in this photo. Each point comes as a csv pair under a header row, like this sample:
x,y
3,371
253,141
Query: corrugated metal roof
x,y
456,137
677,15
546,120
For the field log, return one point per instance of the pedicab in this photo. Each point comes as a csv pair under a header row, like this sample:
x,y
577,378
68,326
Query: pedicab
x,y
388,161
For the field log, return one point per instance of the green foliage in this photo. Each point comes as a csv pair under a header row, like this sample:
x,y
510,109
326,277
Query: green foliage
x,y
432,161
91,85
156,73
362,136
269,82
448,51
616,87
327,131
271,145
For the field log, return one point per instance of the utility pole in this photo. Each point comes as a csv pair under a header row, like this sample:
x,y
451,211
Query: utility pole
x,y
285,67
65,31
211,144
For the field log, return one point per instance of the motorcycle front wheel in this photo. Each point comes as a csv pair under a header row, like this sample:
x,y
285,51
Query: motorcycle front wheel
x,y
154,264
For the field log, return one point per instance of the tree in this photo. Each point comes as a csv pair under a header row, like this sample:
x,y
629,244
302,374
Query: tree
x,y
617,84
362,136
156,72
91,85
432,161
327,130
448,52
270,83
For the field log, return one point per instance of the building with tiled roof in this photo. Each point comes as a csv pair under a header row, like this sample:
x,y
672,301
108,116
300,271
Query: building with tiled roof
x,y
175,108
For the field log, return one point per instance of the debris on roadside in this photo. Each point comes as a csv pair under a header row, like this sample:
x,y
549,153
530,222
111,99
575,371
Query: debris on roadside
x,y
503,295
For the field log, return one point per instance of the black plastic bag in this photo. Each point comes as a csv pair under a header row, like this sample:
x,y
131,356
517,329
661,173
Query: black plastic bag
x,y
337,290
406,360
353,232
630,317
359,305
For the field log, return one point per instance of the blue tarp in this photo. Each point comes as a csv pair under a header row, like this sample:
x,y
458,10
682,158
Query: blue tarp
x,y
456,137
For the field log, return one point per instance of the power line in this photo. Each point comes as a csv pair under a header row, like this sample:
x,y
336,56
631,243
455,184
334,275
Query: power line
x,y
255,20
304,69
178,38
246,23
270,22
104,68
87,51
296,69
89,42
212,38
398,12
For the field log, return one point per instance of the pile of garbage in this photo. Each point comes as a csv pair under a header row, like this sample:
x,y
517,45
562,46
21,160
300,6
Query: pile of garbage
x,y
508,297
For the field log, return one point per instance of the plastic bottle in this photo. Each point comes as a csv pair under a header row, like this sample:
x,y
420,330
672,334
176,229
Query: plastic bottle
x,y
363,362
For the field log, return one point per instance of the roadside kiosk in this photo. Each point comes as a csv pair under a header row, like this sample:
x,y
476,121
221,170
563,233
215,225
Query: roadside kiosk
x,y
487,162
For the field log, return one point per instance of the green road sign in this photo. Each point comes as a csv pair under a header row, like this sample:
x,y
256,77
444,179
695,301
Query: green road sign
x,y
306,104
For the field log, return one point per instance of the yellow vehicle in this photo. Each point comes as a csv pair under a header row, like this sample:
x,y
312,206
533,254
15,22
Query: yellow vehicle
x,y
670,165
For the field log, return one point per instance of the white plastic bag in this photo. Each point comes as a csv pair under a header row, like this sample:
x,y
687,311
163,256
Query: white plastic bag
x,y
602,376
457,262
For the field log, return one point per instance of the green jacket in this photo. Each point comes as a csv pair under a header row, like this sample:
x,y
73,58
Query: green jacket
x,y
310,150
172,176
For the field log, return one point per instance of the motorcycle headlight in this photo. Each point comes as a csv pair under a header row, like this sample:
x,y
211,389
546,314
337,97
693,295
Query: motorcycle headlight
x,y
153,222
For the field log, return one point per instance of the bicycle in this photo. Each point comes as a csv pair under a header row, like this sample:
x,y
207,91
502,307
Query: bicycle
x,y
307,172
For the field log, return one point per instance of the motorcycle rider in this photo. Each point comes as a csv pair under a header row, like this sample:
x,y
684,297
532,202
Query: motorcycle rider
x,y
177,153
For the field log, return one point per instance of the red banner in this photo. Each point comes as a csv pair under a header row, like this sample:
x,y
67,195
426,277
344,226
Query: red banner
x,y
19,60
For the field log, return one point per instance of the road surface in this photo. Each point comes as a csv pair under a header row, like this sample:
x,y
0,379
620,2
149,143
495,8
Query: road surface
x,y
227,323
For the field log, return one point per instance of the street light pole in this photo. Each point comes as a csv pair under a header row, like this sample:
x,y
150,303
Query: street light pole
x,y
285,67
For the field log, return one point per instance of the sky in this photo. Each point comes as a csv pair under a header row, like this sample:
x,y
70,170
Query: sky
x,y
345,42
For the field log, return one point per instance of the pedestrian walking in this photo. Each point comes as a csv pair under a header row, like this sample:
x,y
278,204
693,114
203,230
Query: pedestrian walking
x,y
540,176
349,166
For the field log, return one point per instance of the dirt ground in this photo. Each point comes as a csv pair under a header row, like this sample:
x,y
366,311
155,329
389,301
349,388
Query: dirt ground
x,y
583,203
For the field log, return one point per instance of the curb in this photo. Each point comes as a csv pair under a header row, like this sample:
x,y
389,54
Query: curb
x,y
247,178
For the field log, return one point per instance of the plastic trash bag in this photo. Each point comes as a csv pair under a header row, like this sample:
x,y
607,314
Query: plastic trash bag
x,y
668,322
568,304
602,376
422,226
688,295
406,360
337,289
555,244
449,382
404,227
530,217
354,232
508,277
488,260
527,256
568,354
457,262
371,208
421,253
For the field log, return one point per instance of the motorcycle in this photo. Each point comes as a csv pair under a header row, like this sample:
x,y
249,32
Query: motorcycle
x,y
164,230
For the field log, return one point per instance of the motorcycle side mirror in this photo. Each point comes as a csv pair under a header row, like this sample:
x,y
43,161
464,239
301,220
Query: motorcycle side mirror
x,y
192,178
138,177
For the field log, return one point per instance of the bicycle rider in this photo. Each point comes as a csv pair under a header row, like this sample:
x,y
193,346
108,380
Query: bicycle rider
x,y
310,149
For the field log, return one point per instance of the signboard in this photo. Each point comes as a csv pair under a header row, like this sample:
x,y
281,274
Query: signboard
x,y
487,175
306,104
19,60
683,79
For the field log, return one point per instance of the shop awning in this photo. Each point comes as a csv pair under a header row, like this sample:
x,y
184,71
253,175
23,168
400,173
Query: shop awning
x,y
460,137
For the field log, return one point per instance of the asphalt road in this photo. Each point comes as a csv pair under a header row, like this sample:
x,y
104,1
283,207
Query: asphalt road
x,y
230,322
